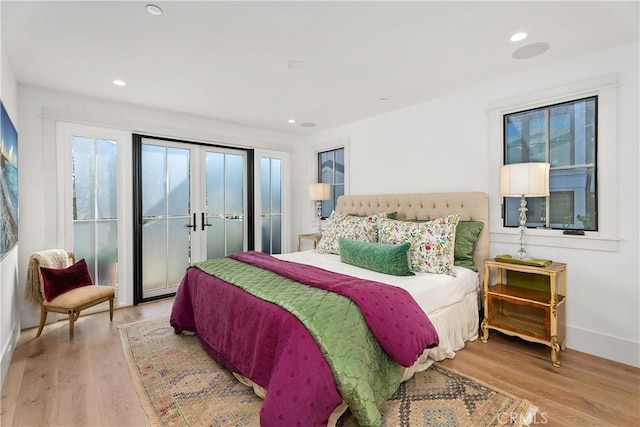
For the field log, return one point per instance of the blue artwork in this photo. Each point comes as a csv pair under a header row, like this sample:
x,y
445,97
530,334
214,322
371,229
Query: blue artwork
x,y
9,184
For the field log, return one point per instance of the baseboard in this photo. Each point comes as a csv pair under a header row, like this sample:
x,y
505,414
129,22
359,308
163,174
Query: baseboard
x,y
606,346
7,352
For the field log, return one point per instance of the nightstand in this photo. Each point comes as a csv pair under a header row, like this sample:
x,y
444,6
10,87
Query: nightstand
x,y
528,302
313,236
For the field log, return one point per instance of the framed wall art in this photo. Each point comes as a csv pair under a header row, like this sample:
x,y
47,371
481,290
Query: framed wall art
x,y
8,184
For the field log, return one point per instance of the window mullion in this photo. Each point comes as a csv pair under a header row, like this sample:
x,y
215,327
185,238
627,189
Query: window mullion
x,y
94,220
547,157
333,178
270,218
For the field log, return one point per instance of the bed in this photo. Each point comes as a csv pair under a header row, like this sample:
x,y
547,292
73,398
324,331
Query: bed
x,y
273,350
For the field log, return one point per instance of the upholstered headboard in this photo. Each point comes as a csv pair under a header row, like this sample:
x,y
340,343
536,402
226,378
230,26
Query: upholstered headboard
x,y
472,206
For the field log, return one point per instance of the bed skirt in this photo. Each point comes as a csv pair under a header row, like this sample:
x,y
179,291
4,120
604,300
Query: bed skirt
x,y
456,325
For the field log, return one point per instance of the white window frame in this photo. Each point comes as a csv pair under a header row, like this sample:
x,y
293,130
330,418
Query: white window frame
x,y
345,143
607,237
64,144
285,197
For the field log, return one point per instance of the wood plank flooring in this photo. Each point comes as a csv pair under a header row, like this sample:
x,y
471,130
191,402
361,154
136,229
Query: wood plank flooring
x,y
53,381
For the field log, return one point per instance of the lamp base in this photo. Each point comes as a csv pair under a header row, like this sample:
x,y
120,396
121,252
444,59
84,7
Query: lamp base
x,y
319,215
521,253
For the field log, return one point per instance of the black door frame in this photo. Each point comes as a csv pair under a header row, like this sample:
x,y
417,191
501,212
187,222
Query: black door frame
x,y
137,207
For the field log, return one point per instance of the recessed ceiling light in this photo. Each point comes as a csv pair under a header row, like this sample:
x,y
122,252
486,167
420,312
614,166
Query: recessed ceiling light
x,y
307,124
530,50
291,121
119,83
383,99
518,36
153,9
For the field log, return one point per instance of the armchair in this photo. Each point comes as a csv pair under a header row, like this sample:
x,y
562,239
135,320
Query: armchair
x,y
68,284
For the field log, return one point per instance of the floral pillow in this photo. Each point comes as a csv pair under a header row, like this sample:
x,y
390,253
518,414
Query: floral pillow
x,y
363,229
432,242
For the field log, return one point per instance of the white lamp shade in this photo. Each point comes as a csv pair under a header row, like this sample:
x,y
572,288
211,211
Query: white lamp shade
x,y
524,179
319,191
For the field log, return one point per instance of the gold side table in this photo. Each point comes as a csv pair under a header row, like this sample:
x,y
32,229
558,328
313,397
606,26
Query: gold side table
x,y
528,302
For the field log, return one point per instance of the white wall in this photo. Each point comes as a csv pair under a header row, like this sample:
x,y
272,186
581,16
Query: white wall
x,y
9,284
39,110
443,145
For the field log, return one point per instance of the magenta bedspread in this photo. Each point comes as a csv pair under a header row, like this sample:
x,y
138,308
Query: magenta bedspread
x,y
262,342
271,347
388,310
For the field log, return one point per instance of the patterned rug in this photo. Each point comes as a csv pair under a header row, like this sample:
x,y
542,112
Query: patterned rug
x,y
178,384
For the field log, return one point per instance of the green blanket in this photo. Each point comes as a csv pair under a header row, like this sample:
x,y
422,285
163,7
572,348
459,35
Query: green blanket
x,y
365,375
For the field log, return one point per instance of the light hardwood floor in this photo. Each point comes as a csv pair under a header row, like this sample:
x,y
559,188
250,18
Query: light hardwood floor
x,y
53,381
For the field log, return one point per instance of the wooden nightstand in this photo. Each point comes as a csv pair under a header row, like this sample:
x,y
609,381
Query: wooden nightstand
x,y
313,236
528,302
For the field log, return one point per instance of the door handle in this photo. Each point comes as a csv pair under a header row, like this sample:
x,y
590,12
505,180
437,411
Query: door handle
x,y
204,223
194,223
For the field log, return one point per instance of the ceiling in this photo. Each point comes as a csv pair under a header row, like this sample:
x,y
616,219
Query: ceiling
x,y
231,61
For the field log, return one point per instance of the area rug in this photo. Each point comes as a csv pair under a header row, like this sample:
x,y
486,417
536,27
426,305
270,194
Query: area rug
x,y
179,384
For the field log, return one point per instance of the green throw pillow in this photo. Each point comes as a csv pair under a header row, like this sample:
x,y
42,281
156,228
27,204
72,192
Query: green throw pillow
x,y
380,257
467,233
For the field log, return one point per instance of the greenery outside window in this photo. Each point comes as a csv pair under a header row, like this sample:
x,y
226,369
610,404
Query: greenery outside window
x,y
564,135
331,171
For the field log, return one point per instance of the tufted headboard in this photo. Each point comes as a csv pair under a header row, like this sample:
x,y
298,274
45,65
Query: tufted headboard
x,y
472,206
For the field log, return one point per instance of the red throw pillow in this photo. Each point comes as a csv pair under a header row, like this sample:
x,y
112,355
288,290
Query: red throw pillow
x,y
57,281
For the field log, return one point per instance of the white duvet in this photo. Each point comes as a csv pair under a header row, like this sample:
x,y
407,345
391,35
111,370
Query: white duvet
x,y
433,292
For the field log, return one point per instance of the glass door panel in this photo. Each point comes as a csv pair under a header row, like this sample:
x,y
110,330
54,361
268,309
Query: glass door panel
x,y
234,202
107,262
225,224
215,229
271,204
95,211
166,216
179,211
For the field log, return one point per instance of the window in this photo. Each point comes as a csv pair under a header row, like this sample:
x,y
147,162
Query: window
x,y
331,171
564,135
271,204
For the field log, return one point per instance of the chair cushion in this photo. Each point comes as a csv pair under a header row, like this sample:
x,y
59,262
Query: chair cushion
x,y
80,296
57,281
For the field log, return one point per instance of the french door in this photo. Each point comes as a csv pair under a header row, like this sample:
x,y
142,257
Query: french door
x,y
191,202
94,209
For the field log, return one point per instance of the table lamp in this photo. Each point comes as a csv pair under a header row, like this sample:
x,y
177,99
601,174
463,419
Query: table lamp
x,y
318,192
524,180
